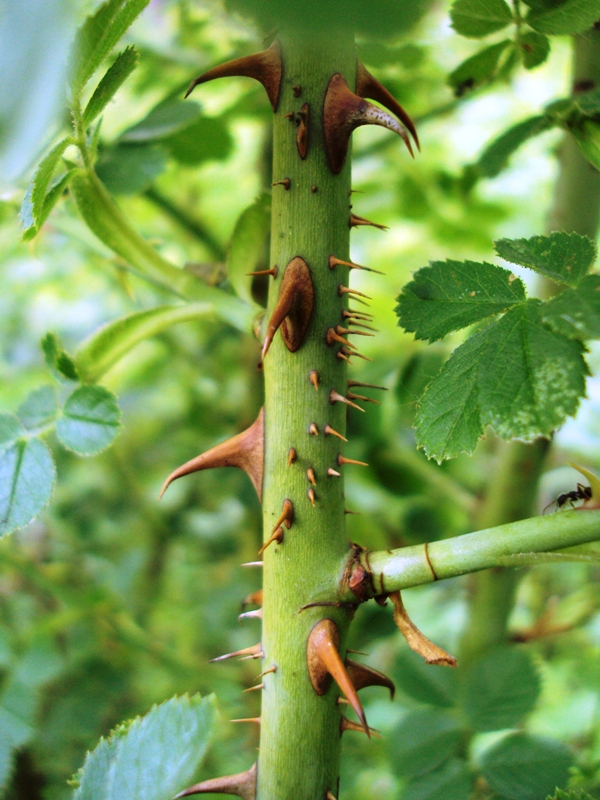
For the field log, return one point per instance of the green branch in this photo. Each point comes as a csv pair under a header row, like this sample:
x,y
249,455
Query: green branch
x,y
393,570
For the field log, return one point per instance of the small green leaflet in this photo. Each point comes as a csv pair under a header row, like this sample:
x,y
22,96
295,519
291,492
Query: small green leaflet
x,y
91,420
57,358
566,18
110,84
575,313
130,169
153,757
32,208
450,295
562,257
26,475
587,136
496,155
248,245
535,48
525,767
39,409
451,781
477,18
164,120
478,68
424,739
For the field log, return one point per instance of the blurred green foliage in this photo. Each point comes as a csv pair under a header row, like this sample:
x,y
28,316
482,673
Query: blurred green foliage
x,y
110,602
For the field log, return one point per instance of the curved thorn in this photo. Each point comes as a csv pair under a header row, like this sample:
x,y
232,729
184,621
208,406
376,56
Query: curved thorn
x,y
341,460
268,671
328,430
324,660
286,183
369,87
416,640
334,473
246,451
245,651
265,67
361,676
294,306
243,785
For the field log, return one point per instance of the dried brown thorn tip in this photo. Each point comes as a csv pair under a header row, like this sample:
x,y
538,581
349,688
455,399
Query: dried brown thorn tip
x,y
356,222
368,86
341,460
416,640
243,785
329,430
294,306
324,663
348,725
265,67
286,517
276,536
246,451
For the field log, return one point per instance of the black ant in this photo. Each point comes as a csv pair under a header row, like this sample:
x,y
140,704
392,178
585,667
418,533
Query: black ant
x,y
581,493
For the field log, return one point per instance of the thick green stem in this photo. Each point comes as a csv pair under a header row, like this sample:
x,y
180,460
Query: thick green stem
x,y
300,731
393,570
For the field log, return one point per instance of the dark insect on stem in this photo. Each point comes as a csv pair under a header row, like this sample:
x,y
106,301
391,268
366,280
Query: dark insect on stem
x,y
580,493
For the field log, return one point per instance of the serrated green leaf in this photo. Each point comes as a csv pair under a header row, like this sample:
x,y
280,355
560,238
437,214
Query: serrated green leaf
x,y
35,196
499,689
450,295
26,481
530,379
129,169
570,794
448,420
478,18
575,313
535,48
435,687
109,344
496,155
566,19
165,120
11,431
110,84
153,757
524,767
39,408
423,740
91,420
206,139
54,194
452,781
562,257
248,244
58,359
98,35
477,69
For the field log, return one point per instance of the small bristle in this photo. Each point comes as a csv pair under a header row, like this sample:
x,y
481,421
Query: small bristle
x,y
348,332
346,290
312,496
313,430
328,430
333,473
336,397
256,688
310,474
314,378
292,456
253,564
341,460
367,385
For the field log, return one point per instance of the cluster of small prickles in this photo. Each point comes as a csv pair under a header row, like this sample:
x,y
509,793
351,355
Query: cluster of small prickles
x,y
343,111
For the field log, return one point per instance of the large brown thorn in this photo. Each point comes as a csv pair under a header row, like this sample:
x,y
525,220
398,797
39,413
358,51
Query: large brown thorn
x,y
246,451
243,785
265,67
336,397
362,676
245,651
356,222
343,112
324,663
294,306
334,262
369,87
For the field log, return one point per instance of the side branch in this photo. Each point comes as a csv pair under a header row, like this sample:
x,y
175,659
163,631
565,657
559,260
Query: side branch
x,y
383,571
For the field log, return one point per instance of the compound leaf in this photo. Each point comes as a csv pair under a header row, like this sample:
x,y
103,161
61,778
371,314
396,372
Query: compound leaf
x,y
575,313
530,379
152,757
478,18
562,257
450,295
91,420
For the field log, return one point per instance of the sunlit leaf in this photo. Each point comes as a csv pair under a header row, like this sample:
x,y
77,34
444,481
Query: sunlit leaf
x,y
38,409
91,420
562,257
576,312
566,18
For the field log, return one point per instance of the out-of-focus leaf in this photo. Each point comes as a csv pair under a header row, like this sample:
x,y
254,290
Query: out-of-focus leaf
x,y
91,420
530,379
496,155
33,203
575,313
478,18
109,344
436,687
499,688
451,781
55,192
524,767
98,35
535,48
26,475
105,219
129,169
587,136
154,756
57,358
206,139
566,18
110,84
423,740
562,257
165,120
450,295
39,408
570,794
477,69
248,244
